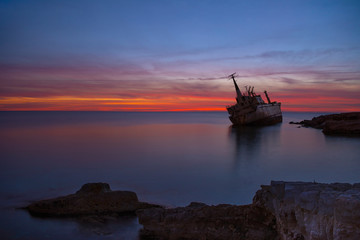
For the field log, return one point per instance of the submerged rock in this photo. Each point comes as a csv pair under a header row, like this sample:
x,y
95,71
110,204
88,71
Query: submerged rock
x,y
91,199
335,124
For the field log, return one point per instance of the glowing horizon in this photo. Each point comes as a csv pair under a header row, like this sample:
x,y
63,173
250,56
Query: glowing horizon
x,y
142,56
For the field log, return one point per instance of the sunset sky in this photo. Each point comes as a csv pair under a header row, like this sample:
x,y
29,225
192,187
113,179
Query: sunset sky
x,y
133,55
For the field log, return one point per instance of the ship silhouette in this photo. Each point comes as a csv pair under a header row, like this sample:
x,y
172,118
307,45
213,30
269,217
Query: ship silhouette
x,y
250,108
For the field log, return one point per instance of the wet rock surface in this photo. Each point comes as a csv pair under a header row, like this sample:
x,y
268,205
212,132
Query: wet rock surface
x,y
335,124
95,199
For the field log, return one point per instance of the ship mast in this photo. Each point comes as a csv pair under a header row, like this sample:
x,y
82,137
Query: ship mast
x,y
238,92
267,97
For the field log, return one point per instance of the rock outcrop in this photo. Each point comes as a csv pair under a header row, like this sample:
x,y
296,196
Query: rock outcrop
x,y
313,210
200,221
335,124
282,210
91,199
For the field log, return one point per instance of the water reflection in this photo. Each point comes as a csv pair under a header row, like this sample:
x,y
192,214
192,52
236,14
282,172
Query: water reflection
x,y
251,143
246,140
166,158
124,227
21,225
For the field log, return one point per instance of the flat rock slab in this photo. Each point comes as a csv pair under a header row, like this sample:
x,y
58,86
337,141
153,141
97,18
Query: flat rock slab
x,y
91,199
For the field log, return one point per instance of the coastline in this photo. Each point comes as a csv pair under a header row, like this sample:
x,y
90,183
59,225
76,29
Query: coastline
x,y
281,210
345,124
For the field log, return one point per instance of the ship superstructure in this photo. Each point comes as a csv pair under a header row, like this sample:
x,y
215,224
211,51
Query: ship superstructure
x,y
250,108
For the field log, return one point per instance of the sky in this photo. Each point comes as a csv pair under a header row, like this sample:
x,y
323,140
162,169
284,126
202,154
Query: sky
x,y
174,55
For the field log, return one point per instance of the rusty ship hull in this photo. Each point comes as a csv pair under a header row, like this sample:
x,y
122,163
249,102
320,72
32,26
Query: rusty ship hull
x,y
250,109
263,115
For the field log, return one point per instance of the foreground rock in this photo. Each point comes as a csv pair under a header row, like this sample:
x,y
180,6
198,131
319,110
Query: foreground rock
x,y
313,210
335,124
91,199
200,221
282,210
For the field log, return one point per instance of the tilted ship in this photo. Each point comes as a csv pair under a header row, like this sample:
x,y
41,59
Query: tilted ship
x,y
250,109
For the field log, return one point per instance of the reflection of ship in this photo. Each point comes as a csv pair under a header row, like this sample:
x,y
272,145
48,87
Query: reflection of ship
x,y
253,145
251,108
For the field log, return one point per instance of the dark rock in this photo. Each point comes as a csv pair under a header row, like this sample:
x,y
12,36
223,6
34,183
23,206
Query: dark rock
x,y
94,188
91,199
306,210
335,124
200,221
282,210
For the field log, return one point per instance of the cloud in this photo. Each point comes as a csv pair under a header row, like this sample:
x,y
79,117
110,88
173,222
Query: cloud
x,y
126,86
303,55
289,80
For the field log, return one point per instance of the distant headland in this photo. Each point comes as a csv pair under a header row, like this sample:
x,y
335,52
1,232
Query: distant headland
x,y
347,124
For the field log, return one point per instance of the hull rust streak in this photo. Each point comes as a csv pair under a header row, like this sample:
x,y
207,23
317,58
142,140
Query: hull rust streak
x,y
250,109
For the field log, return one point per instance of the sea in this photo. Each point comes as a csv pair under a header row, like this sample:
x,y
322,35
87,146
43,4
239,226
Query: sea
x,y
167,158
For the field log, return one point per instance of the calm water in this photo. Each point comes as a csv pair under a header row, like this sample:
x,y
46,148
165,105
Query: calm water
x,y
166,158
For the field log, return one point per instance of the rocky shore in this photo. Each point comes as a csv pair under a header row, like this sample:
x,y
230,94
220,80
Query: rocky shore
x,y
335,124
200,221
313,210
280,211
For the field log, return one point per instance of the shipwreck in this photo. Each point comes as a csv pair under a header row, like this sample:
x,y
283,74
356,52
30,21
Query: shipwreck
x,y
250,108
